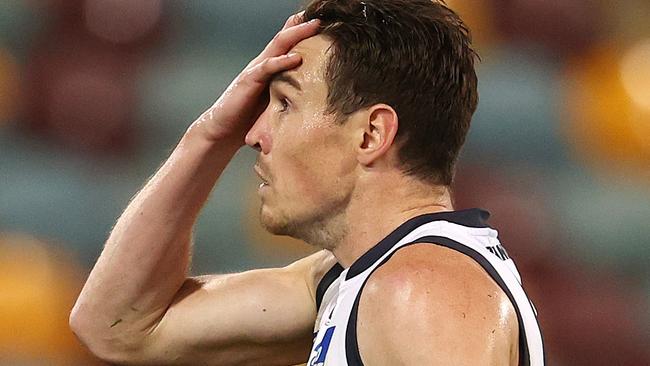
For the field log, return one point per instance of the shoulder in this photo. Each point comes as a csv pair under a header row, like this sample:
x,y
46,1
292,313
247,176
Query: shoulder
x,y
432,305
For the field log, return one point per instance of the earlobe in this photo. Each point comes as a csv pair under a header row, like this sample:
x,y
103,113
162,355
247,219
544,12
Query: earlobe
x,y
380,129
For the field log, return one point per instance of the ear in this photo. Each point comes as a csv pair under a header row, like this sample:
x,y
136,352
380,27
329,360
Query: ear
x,y
379,129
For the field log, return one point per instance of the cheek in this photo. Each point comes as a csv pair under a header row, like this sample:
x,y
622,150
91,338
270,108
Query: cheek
x,y
310,158
319,170
304,173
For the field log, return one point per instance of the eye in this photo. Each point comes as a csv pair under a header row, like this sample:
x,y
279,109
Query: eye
x,y
284,104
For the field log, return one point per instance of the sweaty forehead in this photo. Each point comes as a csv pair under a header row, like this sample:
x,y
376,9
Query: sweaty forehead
x,y
314,52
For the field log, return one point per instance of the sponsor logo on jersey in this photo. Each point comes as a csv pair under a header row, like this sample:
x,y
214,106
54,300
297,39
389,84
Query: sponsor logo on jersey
x,y
320,350
499,251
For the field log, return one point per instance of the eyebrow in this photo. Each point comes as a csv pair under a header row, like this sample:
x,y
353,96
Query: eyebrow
x,y
287,78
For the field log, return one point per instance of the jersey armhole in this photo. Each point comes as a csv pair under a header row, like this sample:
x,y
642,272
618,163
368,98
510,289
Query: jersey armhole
x,y
326,282
353,356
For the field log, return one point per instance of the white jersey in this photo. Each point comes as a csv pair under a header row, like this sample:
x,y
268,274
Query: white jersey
x,y
338,293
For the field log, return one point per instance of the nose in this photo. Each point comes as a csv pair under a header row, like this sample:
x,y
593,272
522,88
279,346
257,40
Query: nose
x,y
258,137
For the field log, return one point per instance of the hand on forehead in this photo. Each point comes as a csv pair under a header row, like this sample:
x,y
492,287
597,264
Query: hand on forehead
x,y
314,53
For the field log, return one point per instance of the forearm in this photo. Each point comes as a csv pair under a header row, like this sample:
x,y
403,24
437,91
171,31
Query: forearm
x,y
146,258
136,281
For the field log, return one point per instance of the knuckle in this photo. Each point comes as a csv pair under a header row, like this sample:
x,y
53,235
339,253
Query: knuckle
x,y
268,66
264,65
253,62
280,37
254,74
293,19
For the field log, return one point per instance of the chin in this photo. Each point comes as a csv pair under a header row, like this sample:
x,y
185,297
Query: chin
x,y
272,223
318,230
278,224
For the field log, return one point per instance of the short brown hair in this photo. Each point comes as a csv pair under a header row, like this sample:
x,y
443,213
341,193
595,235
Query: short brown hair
x,y
414,55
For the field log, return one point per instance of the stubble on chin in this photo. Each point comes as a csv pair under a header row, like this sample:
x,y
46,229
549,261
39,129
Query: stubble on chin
x,y
320,230
272,224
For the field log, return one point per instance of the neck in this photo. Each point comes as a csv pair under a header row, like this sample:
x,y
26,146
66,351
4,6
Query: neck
x,y
376,209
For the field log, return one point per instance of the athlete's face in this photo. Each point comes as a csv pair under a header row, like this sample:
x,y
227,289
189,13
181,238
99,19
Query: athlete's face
x,y
306,159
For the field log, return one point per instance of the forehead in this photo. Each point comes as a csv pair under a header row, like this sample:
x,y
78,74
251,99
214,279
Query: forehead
x,y
314,52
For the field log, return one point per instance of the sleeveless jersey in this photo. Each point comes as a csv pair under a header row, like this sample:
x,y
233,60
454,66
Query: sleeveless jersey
x,y
338,293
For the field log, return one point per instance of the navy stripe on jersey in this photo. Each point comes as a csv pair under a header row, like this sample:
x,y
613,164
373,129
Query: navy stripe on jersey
x,y
326,282
472,218
524,357
351,343
352,355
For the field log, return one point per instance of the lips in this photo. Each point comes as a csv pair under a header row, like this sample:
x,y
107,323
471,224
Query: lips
x,y
261,175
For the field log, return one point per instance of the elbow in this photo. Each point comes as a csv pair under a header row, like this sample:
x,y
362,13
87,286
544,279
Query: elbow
x,y
78,325
82,329
111,347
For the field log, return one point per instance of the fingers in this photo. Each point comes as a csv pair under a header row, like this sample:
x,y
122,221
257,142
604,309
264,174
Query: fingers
x,y
289,37
294,20
264,71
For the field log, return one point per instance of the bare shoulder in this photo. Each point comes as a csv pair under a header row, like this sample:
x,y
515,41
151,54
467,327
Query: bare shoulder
x,y
432,305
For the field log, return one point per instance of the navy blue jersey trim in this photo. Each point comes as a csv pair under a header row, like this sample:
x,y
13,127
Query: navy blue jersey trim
x,y
353,356
326,282
524,356
472,218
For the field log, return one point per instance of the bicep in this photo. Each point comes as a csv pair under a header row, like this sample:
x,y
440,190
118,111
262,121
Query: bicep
x,y
256,317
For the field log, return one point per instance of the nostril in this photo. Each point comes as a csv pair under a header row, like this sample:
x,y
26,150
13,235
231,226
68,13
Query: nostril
x,y
257,137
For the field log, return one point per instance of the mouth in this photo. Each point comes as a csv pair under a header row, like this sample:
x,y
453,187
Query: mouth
x,y
259,173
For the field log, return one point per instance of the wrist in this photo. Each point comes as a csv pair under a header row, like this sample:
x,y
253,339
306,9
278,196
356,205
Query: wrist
x,y
198,143
199,133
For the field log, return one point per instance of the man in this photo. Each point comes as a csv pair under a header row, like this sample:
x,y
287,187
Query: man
x,y
358,110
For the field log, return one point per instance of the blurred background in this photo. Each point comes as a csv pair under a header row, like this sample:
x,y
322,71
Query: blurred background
x,y
94,94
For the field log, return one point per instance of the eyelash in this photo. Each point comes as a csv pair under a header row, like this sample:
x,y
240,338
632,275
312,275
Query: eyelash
x,y
284,103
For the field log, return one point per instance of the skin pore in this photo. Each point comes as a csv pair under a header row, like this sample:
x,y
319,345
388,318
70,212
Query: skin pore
x,y
335,186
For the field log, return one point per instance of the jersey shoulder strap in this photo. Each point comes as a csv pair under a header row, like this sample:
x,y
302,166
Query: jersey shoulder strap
x,y
327,281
